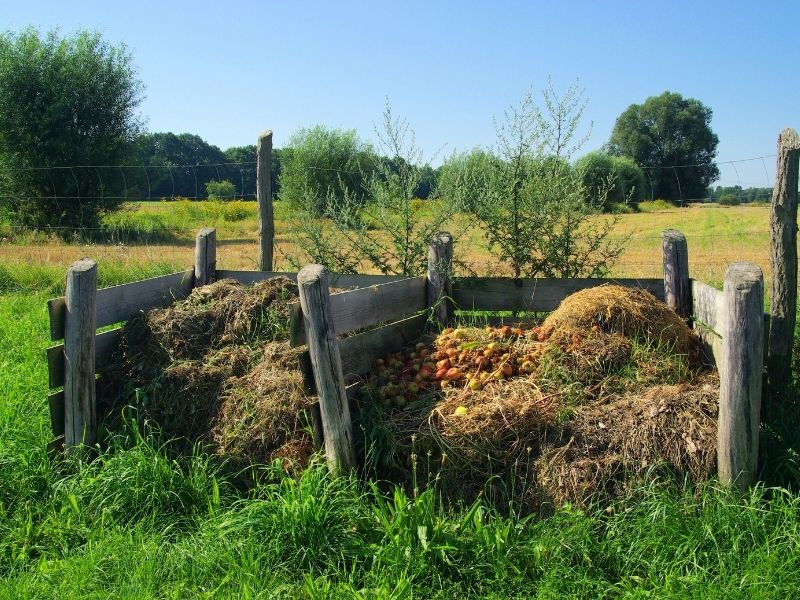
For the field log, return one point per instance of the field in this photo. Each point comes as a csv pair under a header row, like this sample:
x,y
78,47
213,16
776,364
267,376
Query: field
x,y
161,235
141,521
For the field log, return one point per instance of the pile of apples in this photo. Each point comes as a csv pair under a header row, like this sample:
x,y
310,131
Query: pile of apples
x,y
454,361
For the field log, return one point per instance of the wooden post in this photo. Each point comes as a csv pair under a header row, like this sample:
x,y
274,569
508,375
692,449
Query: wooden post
x,y
439,288
266,223
677,289
741,374
205,257
80,407
312,281
783,251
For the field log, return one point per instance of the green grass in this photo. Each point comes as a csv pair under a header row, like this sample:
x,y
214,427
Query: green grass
x,y
143,521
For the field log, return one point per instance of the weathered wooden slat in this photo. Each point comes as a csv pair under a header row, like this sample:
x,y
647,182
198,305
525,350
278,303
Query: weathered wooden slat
x,y
363,307
360,351
335,280
55,401
121,302
105,343
710,342
538,295
708,305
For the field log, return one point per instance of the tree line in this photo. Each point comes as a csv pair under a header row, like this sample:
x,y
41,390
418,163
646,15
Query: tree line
x,y
72,100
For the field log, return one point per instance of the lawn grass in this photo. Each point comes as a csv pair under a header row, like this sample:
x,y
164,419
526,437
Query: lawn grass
x,y
143,521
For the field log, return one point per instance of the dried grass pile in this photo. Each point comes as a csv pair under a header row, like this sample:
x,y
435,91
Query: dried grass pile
x,y
215,367
606,445
631,312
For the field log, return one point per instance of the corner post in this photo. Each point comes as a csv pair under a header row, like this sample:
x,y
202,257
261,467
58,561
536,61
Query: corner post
x,y
266,222
80,405
783,257
337,430
677,288
439,288
205,257
741,375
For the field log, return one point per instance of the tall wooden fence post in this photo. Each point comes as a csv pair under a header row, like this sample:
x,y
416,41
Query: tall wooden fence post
x,y
439,288
741,374
266,222
337,430
677,289
80,407
783,251
205,256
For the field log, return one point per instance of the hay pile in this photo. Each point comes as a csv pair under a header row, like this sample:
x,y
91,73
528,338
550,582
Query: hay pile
x,y
216,368
630,312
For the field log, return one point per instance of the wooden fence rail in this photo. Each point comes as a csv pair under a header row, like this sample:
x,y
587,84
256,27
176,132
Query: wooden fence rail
x,y
346,331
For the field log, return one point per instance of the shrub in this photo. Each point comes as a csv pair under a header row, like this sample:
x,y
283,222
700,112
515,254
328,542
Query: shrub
x,y
728,200
220,190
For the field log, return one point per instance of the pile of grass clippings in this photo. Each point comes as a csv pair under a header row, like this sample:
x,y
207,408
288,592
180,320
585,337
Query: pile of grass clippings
x,y
215,367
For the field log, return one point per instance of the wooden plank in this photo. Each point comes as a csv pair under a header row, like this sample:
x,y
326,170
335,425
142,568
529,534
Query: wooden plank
x,y
440,279
335,280
105,343
266,220
710,343
708,305
360,351
363,307
120,302
55,401
783,259
535,295
205,256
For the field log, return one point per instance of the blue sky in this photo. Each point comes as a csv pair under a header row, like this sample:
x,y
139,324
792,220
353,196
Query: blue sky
x,y
226,71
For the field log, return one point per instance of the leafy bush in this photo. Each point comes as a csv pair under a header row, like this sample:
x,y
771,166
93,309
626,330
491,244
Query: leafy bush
x,y
728,200
618,179
220,190
347,240
63,101
324,170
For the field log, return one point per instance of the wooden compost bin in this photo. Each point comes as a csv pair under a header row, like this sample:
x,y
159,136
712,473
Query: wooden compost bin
x,y
345,332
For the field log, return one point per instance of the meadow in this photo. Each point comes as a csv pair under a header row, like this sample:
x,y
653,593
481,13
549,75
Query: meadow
x,y
142,520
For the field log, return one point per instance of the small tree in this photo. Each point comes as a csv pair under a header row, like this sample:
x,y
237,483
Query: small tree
x,y
387,231
531,204
64,102
322,169
220,190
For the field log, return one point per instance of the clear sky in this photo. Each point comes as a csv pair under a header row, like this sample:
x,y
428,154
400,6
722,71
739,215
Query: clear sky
x,y
227,70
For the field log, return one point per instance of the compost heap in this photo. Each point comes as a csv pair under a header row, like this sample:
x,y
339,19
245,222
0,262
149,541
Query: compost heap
x,y
608,386
217,368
